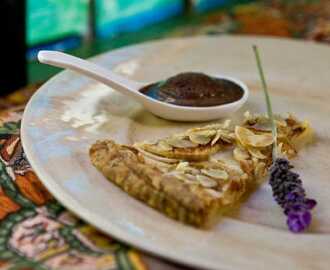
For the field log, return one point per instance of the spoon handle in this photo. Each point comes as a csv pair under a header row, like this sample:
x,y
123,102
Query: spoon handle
x,y
101,74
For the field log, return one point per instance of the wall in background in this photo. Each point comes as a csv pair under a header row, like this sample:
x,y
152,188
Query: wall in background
x,y
62,24
205,5
49,20
113,17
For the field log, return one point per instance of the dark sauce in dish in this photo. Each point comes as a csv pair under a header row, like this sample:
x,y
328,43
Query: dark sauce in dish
x,y
194,89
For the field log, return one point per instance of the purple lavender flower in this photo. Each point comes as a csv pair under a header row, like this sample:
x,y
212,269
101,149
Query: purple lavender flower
x,y
287,186
290,195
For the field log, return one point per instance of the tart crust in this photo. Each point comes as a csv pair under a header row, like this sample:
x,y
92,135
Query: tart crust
x,y
196,183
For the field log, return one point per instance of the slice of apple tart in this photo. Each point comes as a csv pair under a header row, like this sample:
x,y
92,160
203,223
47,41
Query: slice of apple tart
x,y
196,175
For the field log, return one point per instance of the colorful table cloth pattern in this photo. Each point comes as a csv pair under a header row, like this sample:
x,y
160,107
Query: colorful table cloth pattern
x,y
36,232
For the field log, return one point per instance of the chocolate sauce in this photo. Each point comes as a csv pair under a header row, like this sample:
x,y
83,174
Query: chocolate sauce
x,y
194,89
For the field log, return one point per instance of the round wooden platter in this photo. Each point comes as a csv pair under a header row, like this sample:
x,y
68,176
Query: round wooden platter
x,y
71,112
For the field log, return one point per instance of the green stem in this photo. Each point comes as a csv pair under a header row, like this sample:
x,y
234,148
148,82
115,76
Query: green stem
x,y
123,260
269,105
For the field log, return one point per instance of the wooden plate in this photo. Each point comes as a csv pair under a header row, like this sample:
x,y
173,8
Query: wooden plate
x,y
71,112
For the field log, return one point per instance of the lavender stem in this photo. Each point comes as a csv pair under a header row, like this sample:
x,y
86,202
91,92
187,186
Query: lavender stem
x,y
269,104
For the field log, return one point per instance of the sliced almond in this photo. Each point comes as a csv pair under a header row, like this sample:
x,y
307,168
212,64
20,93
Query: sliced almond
x,y
156,157
223,135
243,135
240,154
160,165
280,121
163,146
180,142
280,147
176,174
214,193
256,153
247,115
227,137
216,173
215,126
192,170
206,181
226,123
186,177
190,177
248,138
232,135
202,137
245,176
221,155
255,161
232,167
247,166
260,170
182,166
216,137
185,168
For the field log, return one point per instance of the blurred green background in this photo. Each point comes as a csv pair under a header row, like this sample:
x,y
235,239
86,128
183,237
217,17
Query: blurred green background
x,y
49,20
89,27
54,21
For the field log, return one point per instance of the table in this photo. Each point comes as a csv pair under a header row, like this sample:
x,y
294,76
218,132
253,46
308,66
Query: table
x,y
36,232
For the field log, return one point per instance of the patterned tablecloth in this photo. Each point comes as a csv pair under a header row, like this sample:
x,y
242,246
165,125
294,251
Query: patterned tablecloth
x,y
36,232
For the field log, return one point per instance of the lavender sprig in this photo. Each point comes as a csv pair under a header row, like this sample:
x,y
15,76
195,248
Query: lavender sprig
x,y
290,195
287,186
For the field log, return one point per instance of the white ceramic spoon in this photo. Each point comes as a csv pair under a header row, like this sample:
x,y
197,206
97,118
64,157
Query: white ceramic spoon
x,y
130,88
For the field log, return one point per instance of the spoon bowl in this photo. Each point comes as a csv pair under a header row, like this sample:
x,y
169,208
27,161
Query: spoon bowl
x,y
196,114
131,88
